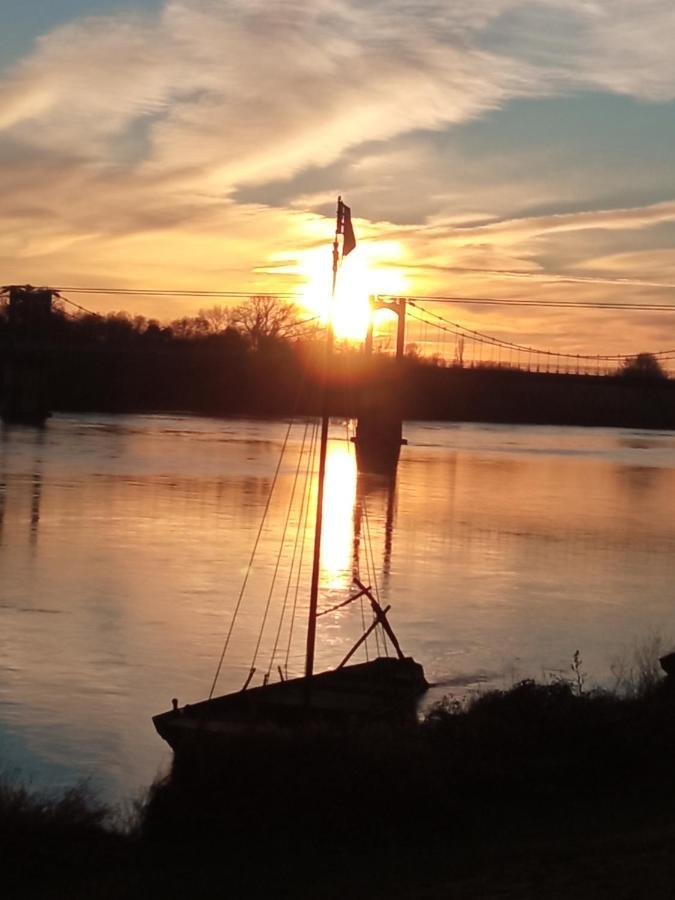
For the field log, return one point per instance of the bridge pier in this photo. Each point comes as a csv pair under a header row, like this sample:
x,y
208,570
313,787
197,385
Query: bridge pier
x,y
379,434
379,428
25,384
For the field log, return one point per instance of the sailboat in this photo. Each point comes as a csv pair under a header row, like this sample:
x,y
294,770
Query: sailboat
x,y
352,695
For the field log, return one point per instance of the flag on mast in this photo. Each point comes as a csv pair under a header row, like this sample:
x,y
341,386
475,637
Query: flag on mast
x,y
345,228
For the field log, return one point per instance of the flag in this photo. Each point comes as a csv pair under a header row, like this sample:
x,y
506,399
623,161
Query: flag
x,y
345,228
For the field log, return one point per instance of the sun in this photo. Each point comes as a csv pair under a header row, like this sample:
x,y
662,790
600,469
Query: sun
x,y
366,271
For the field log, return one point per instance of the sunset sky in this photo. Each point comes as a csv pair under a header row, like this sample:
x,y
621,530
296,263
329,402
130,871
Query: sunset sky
x,y
492,148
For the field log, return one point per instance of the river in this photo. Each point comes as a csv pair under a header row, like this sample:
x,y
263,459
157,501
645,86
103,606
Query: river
x,y
124,542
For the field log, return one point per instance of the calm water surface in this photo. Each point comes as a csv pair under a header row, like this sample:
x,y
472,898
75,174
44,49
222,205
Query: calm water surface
x,y
124,542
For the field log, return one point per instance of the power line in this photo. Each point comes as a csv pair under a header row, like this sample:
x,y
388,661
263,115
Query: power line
x,y
453,327
545,304
430,298
499,301
159,292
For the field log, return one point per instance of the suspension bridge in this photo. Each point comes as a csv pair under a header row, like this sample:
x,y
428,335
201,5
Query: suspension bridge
x,y
440,339
432,330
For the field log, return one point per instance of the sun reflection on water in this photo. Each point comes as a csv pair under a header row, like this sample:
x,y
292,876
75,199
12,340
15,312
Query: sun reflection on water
x,y
338,515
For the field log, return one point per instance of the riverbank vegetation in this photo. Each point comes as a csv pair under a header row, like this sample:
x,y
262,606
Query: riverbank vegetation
x,y
542,790
260,358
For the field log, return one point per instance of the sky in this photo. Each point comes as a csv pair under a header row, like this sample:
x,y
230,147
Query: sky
x,y
488,148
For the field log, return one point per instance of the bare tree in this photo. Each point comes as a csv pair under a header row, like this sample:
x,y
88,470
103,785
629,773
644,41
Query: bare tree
x,y
217,318
265,317
189,327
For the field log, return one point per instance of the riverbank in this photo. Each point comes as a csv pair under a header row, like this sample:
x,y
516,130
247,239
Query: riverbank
x,y
539,791
227,375
205,383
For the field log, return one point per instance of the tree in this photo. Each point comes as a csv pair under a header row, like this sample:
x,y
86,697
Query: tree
x,y
118,327
217,318
263,318
644,366
190,328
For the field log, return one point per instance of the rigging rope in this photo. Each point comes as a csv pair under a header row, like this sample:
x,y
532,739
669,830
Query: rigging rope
x,y
251,558
304,516
352,450
277,564
376,587
295,548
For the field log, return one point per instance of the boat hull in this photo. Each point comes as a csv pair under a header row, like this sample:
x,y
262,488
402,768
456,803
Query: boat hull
x,y
383,690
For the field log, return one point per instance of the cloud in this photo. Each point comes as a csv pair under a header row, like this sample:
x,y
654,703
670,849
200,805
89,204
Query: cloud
x,y
629,48
233,92
84,82
516,230
650,268
247,89
614,45
240,90
206,139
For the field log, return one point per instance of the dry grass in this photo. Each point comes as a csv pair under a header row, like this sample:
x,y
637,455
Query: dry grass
x,y
537,791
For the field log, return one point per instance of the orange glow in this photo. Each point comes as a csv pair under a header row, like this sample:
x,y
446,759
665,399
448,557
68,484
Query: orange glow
x,y
363,273
338,513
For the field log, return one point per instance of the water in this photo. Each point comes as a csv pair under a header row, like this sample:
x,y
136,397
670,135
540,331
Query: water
x,y
124,543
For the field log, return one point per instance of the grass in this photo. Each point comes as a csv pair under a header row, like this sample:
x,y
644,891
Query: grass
x,y
540,783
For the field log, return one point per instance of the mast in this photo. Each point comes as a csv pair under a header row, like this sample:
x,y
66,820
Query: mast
x,y
316,560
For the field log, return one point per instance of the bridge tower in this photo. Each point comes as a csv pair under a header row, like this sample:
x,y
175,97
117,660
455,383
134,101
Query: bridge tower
x,y
396,305
379,428
24,379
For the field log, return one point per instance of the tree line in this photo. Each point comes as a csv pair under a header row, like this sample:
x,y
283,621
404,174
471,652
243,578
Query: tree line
x,y
263,357
257,323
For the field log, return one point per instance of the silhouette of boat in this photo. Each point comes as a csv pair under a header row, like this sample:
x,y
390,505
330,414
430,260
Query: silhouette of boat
x,y
380,690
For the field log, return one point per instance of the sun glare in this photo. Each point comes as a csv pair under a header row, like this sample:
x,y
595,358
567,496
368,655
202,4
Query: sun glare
x,y
338,512
363,273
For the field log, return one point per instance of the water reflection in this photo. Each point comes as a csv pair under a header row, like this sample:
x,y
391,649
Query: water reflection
x,y
372,491
646,440
3,500
640,479
338,514
35,440
36,487
352,499
123,543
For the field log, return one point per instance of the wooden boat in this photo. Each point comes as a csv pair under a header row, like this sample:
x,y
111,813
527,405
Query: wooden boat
x,y
380,690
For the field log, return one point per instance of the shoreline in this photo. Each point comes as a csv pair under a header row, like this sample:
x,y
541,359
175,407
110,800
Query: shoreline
x,y
521,793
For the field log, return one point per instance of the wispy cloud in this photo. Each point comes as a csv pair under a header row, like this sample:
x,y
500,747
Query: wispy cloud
x,y
247,88
517,230
135,136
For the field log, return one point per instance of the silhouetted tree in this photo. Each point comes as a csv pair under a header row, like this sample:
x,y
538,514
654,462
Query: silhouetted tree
x,y
190,328
644,366
217,318
265,317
